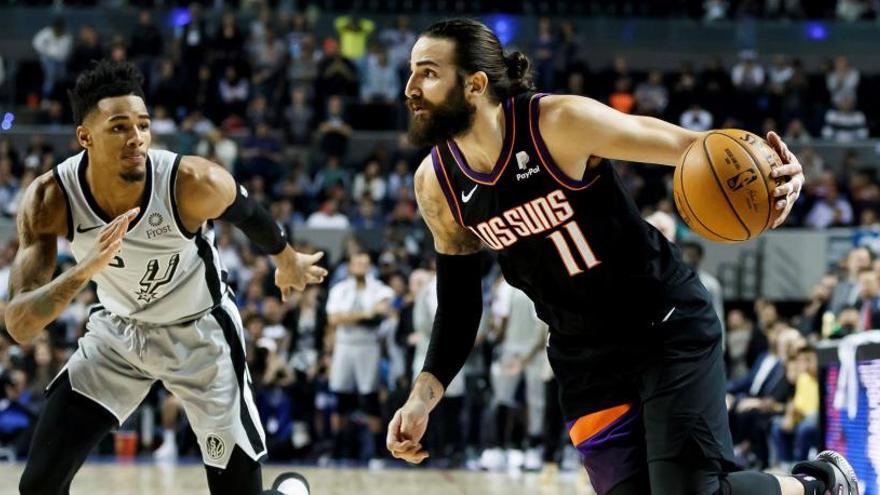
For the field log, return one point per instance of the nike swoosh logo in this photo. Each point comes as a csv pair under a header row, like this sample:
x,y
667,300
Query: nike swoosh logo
x,y
81,230
467,197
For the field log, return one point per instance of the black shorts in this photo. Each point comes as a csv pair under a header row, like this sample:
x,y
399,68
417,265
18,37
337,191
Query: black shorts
x,y
674,402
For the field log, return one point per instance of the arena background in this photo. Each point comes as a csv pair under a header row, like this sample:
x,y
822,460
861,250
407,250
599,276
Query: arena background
x,y
303,102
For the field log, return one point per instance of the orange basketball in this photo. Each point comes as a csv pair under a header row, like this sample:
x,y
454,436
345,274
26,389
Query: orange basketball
x,y
723,189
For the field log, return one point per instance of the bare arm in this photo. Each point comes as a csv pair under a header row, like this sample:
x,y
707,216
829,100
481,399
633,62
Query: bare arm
x,y
35,299
576,128
205,190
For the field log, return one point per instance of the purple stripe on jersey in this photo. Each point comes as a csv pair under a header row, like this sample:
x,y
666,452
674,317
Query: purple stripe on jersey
x,y
445,185
506,150
546,158
616,453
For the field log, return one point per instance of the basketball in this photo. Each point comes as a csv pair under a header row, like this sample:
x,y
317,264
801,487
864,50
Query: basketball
x,y
723,189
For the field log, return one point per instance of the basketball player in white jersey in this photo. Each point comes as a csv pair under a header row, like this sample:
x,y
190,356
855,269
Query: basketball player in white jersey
x,y
139,223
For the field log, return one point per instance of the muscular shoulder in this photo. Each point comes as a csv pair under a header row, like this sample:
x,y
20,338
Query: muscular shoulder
x,y
43,208
203,189
572,128
449,236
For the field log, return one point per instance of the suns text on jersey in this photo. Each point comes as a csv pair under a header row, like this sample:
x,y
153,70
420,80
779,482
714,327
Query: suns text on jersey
x,y
528,219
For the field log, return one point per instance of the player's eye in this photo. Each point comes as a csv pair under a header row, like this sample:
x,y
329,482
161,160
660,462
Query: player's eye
x,y
117,128
144,127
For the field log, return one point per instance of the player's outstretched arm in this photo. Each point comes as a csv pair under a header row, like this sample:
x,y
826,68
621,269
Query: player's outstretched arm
x,y
576,128
36,299
459,306
206,191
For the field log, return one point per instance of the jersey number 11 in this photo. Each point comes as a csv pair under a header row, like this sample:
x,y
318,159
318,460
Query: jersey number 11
x,y
580,244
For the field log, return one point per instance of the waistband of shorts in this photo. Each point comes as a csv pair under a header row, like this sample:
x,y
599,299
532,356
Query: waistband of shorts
x,y
186,320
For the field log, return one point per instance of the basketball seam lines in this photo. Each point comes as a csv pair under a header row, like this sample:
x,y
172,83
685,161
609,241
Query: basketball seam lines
x,y
687,203
721,186
770,197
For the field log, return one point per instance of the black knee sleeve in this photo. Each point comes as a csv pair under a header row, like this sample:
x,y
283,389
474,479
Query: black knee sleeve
x,y
242,476
69,428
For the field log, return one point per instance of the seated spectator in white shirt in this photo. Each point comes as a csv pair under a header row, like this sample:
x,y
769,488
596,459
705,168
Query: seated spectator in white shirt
x,y
328,217
845,124
830,210
696,118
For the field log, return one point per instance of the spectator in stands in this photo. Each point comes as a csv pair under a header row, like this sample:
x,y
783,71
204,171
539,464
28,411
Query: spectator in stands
x,y
299,31
161,122
400,181
692,254
353,34
622,99
299,116
543,53
86,50
234,91
868,302
843,81
381,81
399,40
738,338
328,217
797,431
17,414
53,44
696,118
8,184
852,10
227,44
367,215
845,123
164,89
747,74
268,58
259,110
303,67
261,155
715,10
306,323
820,297
336,74
145,45
796,133
191,40
224,150
356,307
334,132
831,209
370,182
779,74
651,96
846,290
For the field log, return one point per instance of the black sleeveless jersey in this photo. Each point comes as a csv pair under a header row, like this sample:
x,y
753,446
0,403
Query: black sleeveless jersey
x,y
579,248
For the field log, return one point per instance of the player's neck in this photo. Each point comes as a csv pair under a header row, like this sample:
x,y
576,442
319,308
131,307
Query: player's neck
x,y
114,195
481,145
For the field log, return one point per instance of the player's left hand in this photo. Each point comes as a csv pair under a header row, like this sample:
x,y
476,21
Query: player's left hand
x,y
296,270
791,169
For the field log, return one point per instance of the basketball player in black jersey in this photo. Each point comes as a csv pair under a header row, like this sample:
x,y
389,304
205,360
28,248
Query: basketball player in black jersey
x,y
634,343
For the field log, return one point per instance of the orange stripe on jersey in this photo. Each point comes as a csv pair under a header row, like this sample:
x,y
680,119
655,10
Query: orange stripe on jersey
x,y
451,189
588,426
539,146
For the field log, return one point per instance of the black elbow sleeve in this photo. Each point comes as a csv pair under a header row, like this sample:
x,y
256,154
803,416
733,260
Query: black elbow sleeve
x,y
256,223
459,307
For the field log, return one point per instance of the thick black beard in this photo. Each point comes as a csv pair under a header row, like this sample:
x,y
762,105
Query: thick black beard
x,y
132,175
451,117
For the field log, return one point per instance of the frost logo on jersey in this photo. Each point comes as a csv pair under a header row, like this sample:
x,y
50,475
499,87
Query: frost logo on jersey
x,y
522,160
156,220
215,447
151,282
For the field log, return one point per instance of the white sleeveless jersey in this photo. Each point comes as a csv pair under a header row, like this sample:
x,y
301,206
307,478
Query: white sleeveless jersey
x,y
163,275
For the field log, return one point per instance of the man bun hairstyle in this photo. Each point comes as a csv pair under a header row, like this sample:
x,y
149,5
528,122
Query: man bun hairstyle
x,y
478,49
105,79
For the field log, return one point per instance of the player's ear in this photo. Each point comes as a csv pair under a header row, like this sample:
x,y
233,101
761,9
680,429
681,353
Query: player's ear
x,y
83,136
478,83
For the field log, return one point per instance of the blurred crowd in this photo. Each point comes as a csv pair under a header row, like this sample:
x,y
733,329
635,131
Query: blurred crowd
x,y
278,107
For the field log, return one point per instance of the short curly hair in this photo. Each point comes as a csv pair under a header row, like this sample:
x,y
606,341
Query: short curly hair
x,y
105,79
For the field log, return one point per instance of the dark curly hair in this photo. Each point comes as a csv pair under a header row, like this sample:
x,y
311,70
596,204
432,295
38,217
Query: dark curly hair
x,y
478,49
105,79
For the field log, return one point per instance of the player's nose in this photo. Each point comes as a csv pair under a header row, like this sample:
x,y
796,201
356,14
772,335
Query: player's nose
x,y
411,90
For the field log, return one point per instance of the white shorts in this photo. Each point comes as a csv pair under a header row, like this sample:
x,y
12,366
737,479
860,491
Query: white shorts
x,y
355,368
201,362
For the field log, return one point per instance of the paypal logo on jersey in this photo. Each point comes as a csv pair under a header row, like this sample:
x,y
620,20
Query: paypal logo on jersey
x,y
522,161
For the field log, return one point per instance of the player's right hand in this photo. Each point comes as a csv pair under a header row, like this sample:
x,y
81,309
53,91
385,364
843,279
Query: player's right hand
x,y
406,430
109,242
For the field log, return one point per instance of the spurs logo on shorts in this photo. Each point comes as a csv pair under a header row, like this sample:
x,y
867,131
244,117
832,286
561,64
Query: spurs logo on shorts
x,y
214,447
151,282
